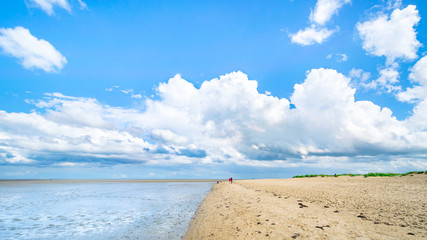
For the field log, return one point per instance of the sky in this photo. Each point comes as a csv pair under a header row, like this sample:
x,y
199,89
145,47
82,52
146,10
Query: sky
x,y
211,89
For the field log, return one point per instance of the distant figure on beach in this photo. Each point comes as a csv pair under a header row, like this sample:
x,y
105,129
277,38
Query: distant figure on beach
x,y
230,180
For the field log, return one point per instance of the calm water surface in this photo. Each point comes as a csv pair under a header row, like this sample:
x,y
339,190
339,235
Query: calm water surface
x,y
98,210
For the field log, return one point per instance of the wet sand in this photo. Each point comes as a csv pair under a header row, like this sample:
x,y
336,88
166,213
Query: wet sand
x,y
315,208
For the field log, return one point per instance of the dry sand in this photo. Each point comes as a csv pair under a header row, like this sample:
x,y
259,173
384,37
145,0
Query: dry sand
x,y
315,208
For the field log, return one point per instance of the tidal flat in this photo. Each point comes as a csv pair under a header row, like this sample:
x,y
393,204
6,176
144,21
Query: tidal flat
x,y
99,209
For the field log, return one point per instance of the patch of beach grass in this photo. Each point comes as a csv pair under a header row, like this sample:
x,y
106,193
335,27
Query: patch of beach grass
x,y
365,175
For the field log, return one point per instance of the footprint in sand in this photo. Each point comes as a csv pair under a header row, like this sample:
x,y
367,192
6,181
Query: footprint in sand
x,y
302,205
322,227
295,235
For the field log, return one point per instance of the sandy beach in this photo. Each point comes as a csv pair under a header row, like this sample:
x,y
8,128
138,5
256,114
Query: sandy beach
x,y
315,208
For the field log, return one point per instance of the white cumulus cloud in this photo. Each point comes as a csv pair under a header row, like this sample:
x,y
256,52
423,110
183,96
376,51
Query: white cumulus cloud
x,y
336,123
136,95
417,94
325,9
387,80
316,33
51,136
224,121
392,37
31,51
418,76
359,78
311,35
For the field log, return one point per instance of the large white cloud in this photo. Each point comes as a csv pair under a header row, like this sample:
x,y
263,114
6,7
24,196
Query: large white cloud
x,y
325,9
392,37
226,120
336,123
31,51
43,137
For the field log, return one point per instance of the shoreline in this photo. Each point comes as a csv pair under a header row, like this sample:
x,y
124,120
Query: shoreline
x,y
314,208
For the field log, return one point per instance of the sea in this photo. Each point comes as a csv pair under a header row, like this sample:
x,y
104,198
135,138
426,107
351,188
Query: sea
x,y
98,209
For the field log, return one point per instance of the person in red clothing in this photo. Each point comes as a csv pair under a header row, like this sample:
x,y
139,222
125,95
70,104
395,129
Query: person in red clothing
x,y
230,180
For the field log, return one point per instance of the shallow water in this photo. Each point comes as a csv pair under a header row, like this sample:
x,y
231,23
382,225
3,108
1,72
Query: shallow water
x,y
99,210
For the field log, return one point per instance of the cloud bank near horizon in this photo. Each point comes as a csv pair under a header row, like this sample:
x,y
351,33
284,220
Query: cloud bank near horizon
x,y
225,121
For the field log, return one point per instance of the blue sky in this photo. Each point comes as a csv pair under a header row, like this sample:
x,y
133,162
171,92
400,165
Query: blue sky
x,y
208,89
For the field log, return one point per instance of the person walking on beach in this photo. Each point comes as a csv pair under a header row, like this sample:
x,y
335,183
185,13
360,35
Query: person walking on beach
x,y
231,180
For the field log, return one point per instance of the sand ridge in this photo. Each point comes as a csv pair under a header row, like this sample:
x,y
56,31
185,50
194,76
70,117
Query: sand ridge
x,y
314,208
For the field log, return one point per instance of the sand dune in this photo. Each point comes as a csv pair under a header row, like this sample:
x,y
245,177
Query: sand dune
x,y
315,208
